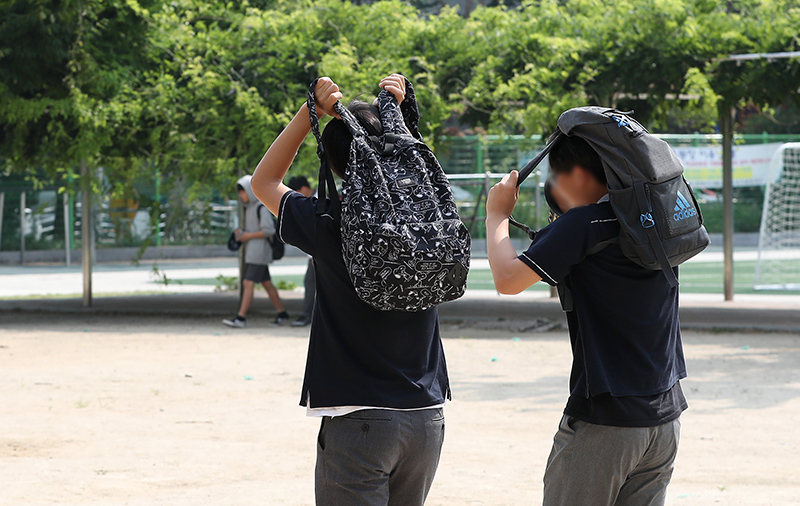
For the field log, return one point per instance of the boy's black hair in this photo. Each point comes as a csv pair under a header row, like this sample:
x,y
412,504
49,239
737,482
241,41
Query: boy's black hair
x,y
239,188
571,151
336,138
297,182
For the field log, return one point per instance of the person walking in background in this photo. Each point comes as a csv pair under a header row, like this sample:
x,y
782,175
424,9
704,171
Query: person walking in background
x,y
300,184
258,226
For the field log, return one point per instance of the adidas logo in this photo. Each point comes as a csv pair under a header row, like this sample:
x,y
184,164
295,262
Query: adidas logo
x,y
683,209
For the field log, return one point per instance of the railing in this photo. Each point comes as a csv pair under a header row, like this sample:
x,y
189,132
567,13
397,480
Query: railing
x,y
470,190
473,164
502,153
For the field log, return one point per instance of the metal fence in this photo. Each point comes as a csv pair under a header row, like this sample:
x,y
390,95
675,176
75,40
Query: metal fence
x,y
501,154
42,219
495,153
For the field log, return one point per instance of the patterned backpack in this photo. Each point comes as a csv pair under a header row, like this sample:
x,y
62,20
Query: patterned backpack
x,y
403,242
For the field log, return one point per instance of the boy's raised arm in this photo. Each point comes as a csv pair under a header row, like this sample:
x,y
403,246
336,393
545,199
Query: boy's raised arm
x,y
267,179
511,275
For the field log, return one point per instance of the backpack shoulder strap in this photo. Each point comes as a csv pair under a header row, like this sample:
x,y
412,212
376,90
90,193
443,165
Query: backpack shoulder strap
x,y
258,215
649,224
602,245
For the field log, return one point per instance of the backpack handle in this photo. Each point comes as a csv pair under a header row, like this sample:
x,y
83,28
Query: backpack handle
x,y
393,117
326,189
410,110
526,171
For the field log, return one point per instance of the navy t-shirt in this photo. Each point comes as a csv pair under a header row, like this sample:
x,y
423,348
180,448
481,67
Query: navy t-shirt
x,y
358,355
624,327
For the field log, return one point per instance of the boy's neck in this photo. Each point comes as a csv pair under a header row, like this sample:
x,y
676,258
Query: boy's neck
x,y
595,194
600,190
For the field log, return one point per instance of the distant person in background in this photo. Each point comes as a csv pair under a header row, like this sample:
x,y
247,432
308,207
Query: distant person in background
x,y
258,226
300,184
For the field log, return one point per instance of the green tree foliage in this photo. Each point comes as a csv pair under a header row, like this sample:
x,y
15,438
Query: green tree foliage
x,y
756,26
231,78
198,89
67,83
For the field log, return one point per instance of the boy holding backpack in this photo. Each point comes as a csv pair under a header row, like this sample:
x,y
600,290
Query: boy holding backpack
x,y
617,440
376,378
257,229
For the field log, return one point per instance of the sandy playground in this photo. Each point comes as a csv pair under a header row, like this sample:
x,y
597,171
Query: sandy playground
x,y
151,411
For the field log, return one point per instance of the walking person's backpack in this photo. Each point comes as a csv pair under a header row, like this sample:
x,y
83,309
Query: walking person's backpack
x,y
403,242
275,243
278,247
660,222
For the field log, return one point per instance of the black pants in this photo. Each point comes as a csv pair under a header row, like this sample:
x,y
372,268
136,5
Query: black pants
x,y
378,457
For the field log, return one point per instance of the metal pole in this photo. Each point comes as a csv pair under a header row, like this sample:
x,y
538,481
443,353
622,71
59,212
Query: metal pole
x,y
479,154
487,183
71,209
477,208
726,126
760,56
487,186
67,238
22,228
2,205
158,199
538,199
87,237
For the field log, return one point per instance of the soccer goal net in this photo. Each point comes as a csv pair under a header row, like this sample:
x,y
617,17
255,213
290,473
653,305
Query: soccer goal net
x,y
778,264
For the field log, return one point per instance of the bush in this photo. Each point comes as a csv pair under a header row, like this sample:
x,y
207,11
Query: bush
x,y
747,206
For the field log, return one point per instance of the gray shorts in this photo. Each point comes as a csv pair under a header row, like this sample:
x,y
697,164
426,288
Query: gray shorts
x,y
256,273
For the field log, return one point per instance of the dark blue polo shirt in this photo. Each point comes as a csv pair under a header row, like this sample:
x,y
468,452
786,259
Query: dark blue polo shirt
x,y
358,355
624,328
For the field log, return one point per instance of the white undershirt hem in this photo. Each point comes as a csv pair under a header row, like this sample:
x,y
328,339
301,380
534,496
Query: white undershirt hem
x,y
335,411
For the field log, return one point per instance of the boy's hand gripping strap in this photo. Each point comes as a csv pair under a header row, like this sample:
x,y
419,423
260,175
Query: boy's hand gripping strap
x,y
393,117
326,190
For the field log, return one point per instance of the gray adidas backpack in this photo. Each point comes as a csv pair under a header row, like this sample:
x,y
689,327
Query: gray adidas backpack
x,y
404,245
660,222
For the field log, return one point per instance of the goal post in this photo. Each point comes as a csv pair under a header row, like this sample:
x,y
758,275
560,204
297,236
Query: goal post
x,y
778,263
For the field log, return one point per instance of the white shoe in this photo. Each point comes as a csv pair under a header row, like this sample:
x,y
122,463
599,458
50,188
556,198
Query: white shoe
x,y
238,322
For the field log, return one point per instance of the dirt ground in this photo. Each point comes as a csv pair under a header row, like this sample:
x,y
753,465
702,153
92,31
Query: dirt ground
x,y
145,411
